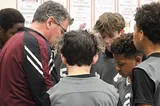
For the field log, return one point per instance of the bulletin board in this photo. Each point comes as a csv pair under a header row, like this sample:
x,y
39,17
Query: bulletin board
x,y
127,8
101,6
28,8
81,11
141,2
63,2
86,12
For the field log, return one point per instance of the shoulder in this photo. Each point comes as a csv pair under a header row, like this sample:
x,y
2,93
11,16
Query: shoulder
x,y
103,63
108,88
56,92
120,81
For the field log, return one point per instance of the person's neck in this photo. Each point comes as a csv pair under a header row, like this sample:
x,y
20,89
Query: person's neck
x,y
153,48
77,70
1,45
129,79
108,53
39,27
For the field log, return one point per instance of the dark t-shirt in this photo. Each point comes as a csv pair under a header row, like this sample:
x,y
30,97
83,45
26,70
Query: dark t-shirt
x,y
143,86
105,68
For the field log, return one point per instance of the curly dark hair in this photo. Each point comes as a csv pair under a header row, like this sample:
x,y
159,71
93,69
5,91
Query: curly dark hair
x,y
124,45
147,20
79,47
9,17
109,22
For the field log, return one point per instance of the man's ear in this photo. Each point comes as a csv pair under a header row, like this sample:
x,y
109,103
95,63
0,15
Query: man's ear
x,y
141,35
49,22
138,59
1,32
95,58
63,59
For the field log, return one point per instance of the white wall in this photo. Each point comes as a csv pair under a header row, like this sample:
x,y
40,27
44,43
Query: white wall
x,y
63,2
7,4
12,3
28,14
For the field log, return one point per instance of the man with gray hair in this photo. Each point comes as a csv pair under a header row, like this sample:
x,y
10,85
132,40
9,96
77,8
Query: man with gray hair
x,y
26,60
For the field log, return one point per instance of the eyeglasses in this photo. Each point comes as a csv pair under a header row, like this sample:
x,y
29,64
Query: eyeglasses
x,y
63,29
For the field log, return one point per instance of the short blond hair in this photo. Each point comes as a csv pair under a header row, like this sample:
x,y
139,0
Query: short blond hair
x,y
109,22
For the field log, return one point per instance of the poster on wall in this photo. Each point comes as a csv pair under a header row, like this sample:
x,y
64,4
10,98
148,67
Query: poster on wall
x,y
63,2
102,6
127,8
28,8
146,1
80,10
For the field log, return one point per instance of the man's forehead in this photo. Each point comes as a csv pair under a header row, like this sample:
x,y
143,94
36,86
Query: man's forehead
x,y
120,58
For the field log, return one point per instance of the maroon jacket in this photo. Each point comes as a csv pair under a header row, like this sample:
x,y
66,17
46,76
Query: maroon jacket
x,y
26,69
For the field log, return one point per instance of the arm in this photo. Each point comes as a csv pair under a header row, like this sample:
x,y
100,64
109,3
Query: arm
x,y
46,100
36,67
143,88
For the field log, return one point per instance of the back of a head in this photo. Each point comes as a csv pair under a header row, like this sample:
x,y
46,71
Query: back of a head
x,y
51,8
147,20
109,22
9,17
124,45
79,47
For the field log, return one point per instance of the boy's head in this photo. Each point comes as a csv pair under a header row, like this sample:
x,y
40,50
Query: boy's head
x,y
125,54
10,20
109,26
147,27
79,48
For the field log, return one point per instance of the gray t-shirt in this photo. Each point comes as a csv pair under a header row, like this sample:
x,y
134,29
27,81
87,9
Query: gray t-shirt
x,y
89,91
125,91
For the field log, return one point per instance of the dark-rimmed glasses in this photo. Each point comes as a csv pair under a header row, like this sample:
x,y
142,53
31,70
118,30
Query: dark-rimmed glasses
x,y
58,23
63,29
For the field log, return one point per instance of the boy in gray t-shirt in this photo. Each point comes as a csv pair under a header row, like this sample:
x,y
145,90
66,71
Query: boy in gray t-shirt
x,y
79,50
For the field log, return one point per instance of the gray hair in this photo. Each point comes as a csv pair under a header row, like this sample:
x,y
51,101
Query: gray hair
x,y
51,8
